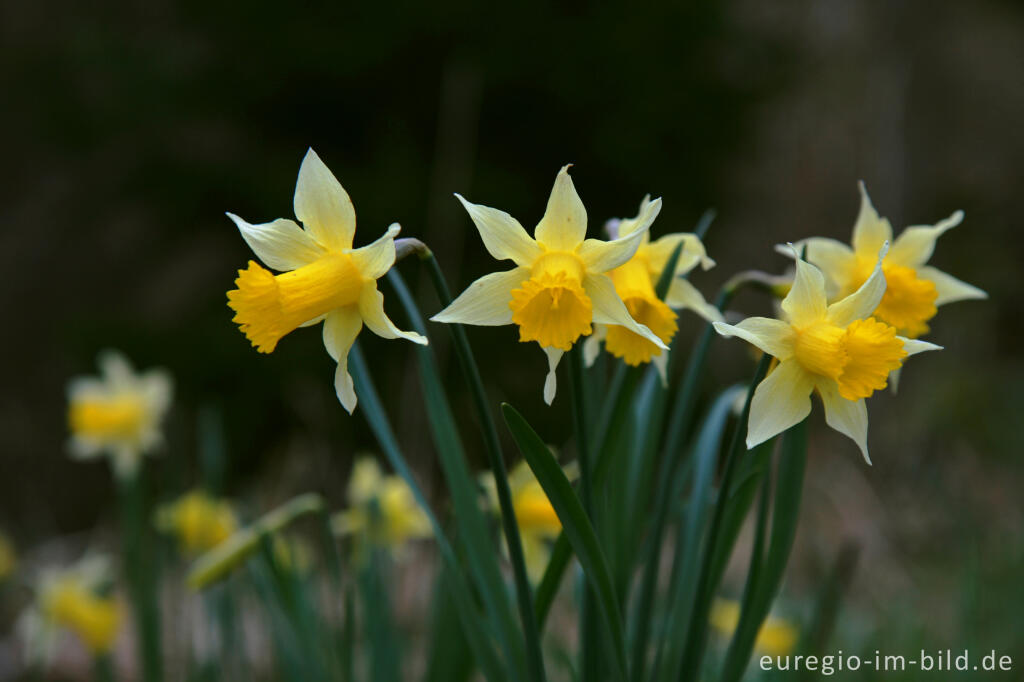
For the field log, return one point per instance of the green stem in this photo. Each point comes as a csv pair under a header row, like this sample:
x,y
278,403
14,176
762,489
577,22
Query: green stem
x,y
140,571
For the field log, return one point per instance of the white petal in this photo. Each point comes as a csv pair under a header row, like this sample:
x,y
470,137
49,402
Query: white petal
x,y
870,230
692,253
950,288
861,303
834,258
644,217
915,346
682,294
281,245
848,417
609,308
564,224
371,308
323,205
503,236
780,401
592,344
374,260
601,256
806,301
774,337
116,369
916,244
341,327
551,381
486,300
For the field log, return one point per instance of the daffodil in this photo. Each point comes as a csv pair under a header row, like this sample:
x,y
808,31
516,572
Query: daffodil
x,y
635,281
382,508
558,288
838,350
8,557
323,279
777,637
118,413
199,521
914,289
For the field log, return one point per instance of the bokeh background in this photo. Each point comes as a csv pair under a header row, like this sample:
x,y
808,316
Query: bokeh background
x,y
129,130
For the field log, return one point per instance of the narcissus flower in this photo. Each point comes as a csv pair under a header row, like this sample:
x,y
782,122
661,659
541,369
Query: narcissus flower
x,y
558,288
382,509
635,282
914,290
777,637
838,350
323,278
200,522
118,413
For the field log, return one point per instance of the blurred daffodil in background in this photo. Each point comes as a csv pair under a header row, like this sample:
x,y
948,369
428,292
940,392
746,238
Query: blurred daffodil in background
x,y
382,508
324,279
118,413
777,637
199,521
838,350
559,288
635,282
914,289
8,557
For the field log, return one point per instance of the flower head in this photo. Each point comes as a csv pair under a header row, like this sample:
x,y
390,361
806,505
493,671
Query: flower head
x,y
323,279
200,522
382,509
838,350
914,289
777,637
635,282
118,413
558,288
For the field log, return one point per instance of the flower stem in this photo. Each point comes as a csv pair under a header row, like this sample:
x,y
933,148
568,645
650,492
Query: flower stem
x,y
140,570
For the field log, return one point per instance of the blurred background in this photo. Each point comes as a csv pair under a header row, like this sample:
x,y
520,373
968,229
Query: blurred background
x,y
129,130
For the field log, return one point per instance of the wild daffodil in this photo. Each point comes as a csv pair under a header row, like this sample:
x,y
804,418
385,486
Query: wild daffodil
x,y
777,637
558,288
635,282
382,509
323,279
118,413
838,350
914,289
199,522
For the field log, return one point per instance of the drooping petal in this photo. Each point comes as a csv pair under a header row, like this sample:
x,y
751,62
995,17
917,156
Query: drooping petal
x,y
870,230
916,244
682,294
323,206
861,303
609,308
950,288
371,309
564,224
341,327
551,380
831,256
644,217
806,301
503,236
486,300
774,337
692,253
601,256
281,245
592,344
848,417
780,401
915,346
374,260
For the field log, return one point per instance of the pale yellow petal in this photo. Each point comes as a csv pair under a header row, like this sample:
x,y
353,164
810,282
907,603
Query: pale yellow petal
x,y
371,308
281,245
782,400
564,224
660,363
861,303
774,337
682,294
503,236
374,260
834,258
692,254
601,256
950,288
609,309
916,244
486,300
592,344
806,301
848,417
551,380
915,346
870,230
323,206
341,327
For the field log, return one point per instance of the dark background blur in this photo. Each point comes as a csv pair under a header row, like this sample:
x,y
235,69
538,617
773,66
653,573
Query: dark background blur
x,y
128,131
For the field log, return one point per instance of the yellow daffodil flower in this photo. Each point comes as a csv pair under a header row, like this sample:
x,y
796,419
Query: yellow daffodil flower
x,y
777,637
8,557
323,278
838,350
381,508
558,288
118,413
635,281
914,289
200,522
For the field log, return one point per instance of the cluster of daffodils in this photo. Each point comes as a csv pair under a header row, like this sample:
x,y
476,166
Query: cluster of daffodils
x,y
382,509
199,521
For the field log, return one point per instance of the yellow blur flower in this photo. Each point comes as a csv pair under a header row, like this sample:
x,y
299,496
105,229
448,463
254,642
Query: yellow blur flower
x,y
323,278
838,350
914,289
538,524
118,413
8,557
558,288
777,637
199,521
382,508
635,282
